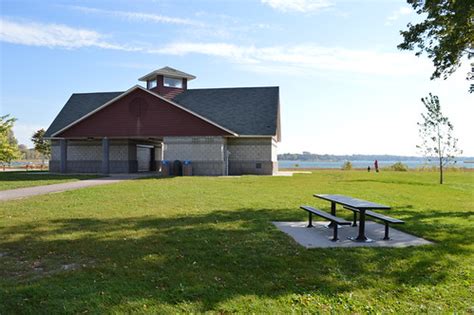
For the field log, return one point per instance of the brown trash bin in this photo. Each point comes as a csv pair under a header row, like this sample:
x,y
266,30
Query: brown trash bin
x,y
187,168
165,168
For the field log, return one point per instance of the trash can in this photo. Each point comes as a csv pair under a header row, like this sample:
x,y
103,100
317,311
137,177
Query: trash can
x,y
187,168
165,168
177,168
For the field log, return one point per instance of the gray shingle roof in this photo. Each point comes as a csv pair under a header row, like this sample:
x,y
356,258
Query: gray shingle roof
x,y
246,111
79,105
167,71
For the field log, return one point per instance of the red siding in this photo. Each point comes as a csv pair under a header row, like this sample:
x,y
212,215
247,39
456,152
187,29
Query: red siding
x,y
140,114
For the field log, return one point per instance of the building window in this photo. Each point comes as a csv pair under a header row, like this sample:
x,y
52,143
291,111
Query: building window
x,y
151,84
172,82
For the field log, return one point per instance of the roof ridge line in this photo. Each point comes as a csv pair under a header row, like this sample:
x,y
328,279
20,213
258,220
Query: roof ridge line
x,y
97,92
239,87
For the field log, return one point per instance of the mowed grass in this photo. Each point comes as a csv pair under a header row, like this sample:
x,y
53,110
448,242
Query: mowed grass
x,y
201,244
22,179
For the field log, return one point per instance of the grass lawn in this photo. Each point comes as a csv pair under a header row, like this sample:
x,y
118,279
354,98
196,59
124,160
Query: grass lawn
x,y
207,244
21,179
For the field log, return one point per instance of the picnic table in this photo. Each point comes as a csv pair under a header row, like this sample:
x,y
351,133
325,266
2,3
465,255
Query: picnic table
x,y
361,205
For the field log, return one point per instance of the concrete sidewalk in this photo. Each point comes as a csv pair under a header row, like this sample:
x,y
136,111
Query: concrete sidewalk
x,y
55,188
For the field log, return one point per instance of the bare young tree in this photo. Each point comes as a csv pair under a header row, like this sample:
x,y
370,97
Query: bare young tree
x,y
436,134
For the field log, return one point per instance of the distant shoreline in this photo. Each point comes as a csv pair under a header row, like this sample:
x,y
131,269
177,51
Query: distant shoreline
x,y
312,157
457,169
364,164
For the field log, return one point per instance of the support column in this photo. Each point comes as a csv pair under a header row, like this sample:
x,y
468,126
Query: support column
x,y
105,156
153,159
63,155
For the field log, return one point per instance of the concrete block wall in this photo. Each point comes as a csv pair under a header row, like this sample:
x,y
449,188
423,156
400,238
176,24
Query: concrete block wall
x,y
55,157
80,150
252,156
205,153
55,151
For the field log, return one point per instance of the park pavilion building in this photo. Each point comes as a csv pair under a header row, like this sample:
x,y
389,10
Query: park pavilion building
x,y
221,131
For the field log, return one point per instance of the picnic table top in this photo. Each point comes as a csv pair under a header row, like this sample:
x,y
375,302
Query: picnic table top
x,y
352,202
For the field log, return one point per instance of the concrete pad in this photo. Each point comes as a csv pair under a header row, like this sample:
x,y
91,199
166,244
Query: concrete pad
x,y
290,173
320,237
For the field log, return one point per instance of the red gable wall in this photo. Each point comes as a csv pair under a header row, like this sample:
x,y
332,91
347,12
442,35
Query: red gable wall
x,y
140,114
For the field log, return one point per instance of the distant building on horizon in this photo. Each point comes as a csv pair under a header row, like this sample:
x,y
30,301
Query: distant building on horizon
x,y
221,131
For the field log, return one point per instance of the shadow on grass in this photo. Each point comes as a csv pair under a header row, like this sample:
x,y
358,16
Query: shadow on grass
x,y
391,181
39,176
205,259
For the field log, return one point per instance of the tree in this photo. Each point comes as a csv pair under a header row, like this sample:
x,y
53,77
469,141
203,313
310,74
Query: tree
x,y
8,145
436,133
42,145
23,151
470,77
6,124
446,35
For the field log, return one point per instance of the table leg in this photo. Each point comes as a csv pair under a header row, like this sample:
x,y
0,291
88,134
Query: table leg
x,y
310,219
354,221
333,212
361,237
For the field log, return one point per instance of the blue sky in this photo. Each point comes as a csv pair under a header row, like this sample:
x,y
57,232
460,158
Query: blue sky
x,y
344,86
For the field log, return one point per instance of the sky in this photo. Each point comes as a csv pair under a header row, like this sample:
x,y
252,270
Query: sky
x,y
344,86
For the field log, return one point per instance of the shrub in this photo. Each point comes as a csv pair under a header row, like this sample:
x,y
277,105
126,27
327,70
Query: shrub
x,y
399,167
347,166
427,168
453,168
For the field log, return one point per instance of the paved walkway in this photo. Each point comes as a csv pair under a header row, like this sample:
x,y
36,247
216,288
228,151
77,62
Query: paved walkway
x,y
55,188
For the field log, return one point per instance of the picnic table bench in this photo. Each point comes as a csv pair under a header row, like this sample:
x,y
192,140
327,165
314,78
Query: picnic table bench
x,y
323,214
386,219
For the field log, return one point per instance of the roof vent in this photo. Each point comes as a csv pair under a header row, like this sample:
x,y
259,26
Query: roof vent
x,y
167,82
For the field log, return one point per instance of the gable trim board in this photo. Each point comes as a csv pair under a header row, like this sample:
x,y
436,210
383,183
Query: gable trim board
x,y
53,136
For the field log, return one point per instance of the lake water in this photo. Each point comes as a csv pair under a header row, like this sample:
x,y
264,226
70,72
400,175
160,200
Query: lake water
x,y
329,164
362,164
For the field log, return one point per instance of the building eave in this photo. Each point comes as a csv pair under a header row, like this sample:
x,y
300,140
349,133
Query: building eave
x,y
155,73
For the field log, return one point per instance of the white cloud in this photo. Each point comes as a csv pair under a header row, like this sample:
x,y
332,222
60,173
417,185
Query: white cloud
x,y
298,5
232,52
398,14
139,16
301,59
52,35
304,59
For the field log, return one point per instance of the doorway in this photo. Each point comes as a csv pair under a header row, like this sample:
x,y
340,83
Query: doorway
x,y
144,157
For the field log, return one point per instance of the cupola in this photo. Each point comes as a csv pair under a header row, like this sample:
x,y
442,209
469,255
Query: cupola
x,y
167,82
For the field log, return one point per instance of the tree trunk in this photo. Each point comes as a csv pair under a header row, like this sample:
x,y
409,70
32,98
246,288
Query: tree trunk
x,y
440,171
440,155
